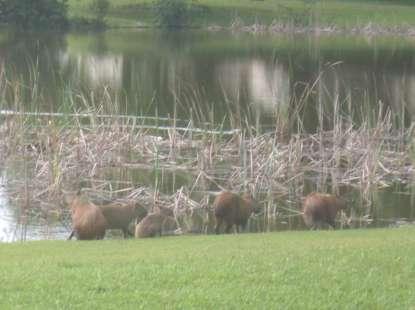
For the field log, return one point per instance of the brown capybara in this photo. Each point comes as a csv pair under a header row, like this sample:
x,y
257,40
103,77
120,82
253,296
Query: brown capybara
x,y
320,210
88,222
120,216
155,224
233,209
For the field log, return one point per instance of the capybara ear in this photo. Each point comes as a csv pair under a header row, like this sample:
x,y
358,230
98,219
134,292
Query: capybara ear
x,y
140,211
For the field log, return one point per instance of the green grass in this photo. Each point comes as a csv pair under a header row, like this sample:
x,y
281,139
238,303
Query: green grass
x,y
355,269
338,12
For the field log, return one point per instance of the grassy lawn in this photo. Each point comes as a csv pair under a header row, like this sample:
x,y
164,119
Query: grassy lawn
x,y
355,269
338,12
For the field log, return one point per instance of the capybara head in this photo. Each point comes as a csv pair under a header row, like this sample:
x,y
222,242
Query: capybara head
x,y
70,198
139,212
341,204
252,203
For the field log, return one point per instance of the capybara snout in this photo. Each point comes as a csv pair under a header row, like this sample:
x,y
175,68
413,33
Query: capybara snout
x,y
254,205
320,210
232,209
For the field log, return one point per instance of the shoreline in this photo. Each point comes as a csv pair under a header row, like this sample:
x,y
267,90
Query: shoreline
x,y
276,28
369,29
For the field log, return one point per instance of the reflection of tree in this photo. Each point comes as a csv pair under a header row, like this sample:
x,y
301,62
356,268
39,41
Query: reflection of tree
x,y
357,90
255,85
43,49
174,42
100,44
6,218
402,94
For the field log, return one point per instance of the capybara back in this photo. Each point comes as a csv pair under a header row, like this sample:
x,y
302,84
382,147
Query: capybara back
x,y
119,216
155,224
88,222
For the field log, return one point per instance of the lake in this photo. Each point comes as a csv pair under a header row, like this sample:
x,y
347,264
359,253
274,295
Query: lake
x,y
290,84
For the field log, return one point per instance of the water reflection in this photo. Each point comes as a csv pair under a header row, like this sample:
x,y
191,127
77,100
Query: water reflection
x,y
267,86
403,92
16,224
6,218
95,70
167,73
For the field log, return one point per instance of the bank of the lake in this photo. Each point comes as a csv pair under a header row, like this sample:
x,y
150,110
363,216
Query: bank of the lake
x,y
366,269
339,13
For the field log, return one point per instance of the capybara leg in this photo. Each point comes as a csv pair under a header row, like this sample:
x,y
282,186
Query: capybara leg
x,y
218,225
241,228
126,233
71,235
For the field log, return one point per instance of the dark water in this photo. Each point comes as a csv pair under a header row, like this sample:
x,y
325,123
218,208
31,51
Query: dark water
x,y
204,76
221,78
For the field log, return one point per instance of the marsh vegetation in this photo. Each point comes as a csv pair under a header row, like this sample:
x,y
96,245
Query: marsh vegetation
x,y
282,117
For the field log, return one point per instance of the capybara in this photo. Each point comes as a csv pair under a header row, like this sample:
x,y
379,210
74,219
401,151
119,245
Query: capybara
x,y
119,216
320,210
233,209
155,224
88,222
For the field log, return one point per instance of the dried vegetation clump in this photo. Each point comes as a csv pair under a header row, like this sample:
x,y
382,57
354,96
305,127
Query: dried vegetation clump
x,y
44,159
